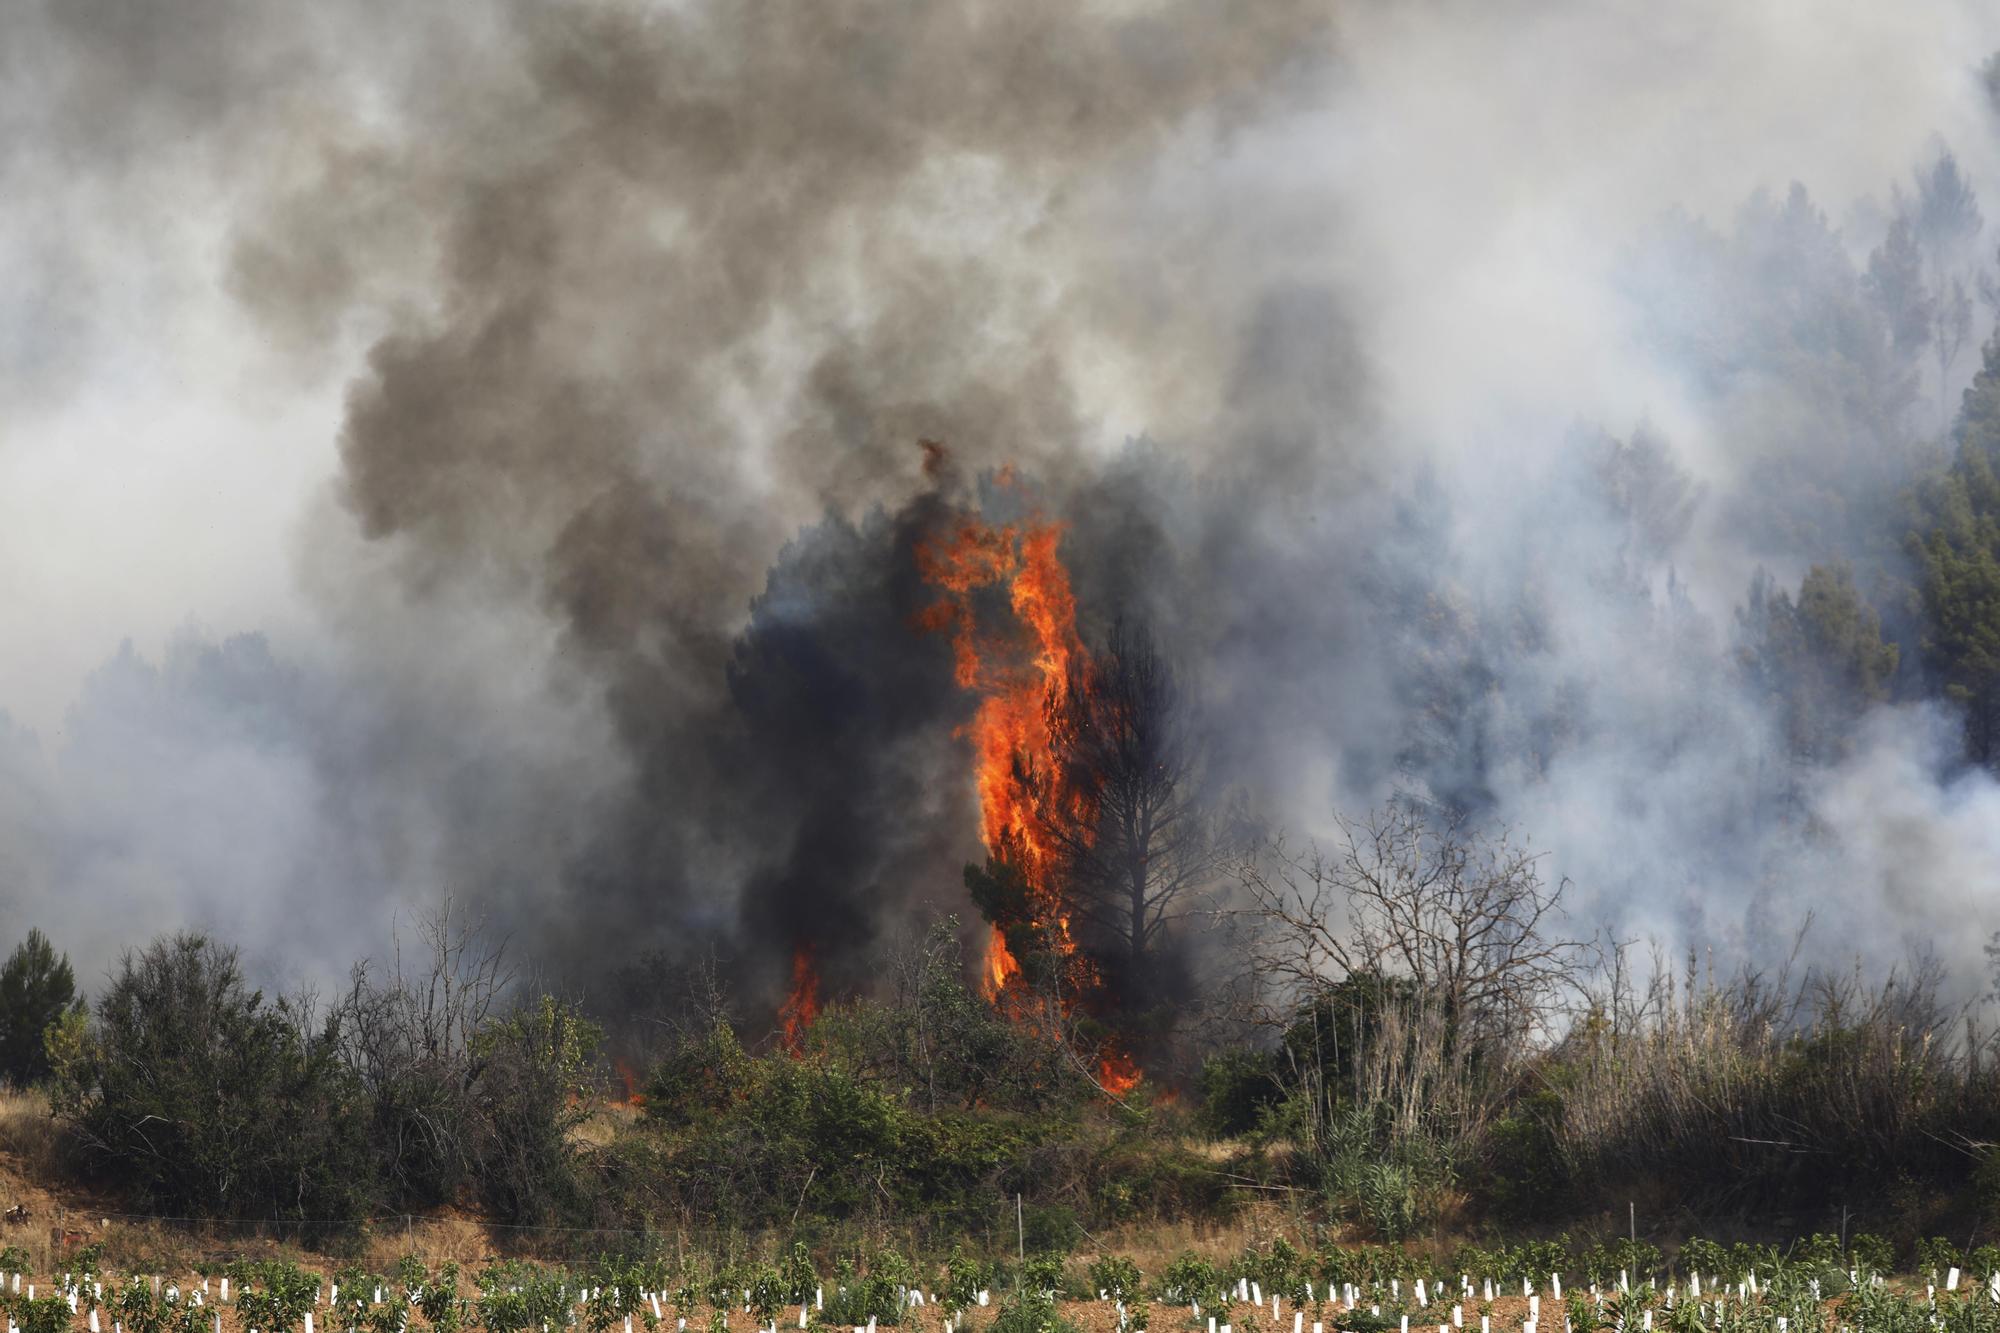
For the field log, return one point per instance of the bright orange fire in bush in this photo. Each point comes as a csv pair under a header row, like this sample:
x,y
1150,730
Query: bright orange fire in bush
x,y
801,1007
1012,669
1116,1072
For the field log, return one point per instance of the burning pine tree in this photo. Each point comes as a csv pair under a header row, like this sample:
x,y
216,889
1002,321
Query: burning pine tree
x,y
1087,785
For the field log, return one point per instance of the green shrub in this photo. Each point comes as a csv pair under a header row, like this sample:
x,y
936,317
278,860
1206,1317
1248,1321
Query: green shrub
x,y
1936,1255
1746,1258
14,1259
137,1309
1031,1309
766,1287
515,1296
43,1314
1389,1197
440,1303
859,1297
1870,1254
1050,1229
535,1087
1235,1090
1699,1254
1045,1272
799,1277
964,1279
280,1300
1480,1264
1278,1269
723,1287
1360,1320
1604,1261
198,1097
700,1079
1536,1259
1526,1172
1190,1279
1115,1276
1390,1182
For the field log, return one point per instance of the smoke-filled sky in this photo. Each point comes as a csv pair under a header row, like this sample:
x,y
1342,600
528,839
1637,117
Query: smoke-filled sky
x,y
471,449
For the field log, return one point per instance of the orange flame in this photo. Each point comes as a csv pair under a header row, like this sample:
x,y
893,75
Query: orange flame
x,y
1011,671
1117,1073
633,1097
801,1007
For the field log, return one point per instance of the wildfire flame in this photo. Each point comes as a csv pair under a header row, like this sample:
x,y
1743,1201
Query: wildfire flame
x,y
801,1006
633,1097
1117,1074
1013,669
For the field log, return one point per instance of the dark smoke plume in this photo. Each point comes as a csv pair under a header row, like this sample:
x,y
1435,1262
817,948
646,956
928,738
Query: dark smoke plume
x,y
1433,379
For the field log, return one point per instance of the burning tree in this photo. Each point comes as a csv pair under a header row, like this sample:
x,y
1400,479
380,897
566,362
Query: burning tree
x,y
1011,668
1122,803
1088,784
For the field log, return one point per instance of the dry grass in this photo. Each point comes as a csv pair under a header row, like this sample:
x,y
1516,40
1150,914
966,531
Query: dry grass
x,y
28,1136
1153,1245
606,1123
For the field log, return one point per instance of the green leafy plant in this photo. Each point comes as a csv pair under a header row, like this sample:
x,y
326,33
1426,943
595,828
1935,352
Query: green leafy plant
x,y
767,1292
1115,1276
1935,1256
1685,1317
42,1314
877,1294
964,1279
1699,1254
439,1302
1190,1279
280,1300
799,1277
1360,1320
1983,1261
1031,1309
1869,1254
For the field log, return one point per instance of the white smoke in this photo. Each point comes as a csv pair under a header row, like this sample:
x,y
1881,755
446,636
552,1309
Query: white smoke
x,y
484,362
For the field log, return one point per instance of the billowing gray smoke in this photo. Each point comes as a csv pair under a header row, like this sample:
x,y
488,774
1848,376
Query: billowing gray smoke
x,y
1432,377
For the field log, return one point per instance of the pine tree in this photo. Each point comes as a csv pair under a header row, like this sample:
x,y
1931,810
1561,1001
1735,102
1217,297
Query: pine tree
x,y
1957,548
1820,658
36,987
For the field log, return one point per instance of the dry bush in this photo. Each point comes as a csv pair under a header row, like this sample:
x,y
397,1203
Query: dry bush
x,y
30,1136
1765,1090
